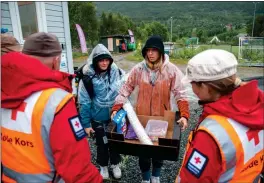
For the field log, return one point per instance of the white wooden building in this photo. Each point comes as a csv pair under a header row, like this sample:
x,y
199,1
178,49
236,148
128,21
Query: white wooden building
x,y
23,18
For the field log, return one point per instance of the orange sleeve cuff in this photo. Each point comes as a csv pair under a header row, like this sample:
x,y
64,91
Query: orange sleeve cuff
x,y
183,106
117,107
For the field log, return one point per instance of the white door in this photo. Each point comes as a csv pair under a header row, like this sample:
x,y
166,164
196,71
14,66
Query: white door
x,y
110,44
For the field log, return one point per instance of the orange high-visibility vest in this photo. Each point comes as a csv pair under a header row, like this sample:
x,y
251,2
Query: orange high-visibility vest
x,y
26,152
242,149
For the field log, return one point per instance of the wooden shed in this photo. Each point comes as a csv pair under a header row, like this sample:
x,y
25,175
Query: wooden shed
x,y
112,42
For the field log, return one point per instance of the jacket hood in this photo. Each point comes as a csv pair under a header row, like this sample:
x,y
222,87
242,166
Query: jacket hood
x,y
245,105
99,52
153,42
23,75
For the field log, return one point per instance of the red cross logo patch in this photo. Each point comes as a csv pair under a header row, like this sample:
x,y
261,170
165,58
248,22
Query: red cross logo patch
x,y
196,163
77,128
76,124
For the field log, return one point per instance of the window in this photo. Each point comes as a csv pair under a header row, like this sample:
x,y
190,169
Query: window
x,y
28,18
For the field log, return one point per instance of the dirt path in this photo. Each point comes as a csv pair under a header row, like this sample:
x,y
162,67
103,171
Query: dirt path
x,y
121,61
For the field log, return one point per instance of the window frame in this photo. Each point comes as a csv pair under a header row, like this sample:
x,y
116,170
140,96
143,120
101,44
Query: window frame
x,y
15,19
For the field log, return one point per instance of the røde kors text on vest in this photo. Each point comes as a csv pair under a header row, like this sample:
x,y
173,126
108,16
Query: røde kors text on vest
x,y
16,141
254,163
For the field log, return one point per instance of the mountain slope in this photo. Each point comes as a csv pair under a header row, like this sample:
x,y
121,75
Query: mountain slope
x,y
193,13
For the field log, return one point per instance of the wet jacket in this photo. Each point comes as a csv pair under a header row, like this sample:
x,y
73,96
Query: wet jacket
x,y
105,87
227,144
27,80
156,87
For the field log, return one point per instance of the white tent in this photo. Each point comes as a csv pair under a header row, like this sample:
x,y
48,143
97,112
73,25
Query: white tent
x,y
215,38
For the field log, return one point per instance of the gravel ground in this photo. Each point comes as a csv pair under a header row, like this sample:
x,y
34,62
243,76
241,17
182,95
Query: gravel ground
x,y
130,167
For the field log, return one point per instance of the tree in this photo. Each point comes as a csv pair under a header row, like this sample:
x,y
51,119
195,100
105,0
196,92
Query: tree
x,y
194,32
89,22
228,37
155,28
84,14
258,27
202,35
74,17
103,20
114,23
140,32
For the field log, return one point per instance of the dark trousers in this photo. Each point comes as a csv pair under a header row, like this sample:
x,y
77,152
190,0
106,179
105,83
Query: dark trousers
x,y
103,151
1,172
145,163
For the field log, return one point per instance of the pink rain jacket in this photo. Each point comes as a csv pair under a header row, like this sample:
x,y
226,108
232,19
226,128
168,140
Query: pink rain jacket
x,y
155,88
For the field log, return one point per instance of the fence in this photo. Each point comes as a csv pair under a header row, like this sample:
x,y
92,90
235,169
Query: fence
x,y
251,50
256,55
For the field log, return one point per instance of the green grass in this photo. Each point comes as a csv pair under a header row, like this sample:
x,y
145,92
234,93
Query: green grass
x,y
233,49
185,56
134,57
78,55
79,58
179,61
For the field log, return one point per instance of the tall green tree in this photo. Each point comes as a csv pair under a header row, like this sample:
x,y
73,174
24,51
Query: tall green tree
x,y
156,28
114,23
84,14
258,28
103,20
90,22
74,17
202,35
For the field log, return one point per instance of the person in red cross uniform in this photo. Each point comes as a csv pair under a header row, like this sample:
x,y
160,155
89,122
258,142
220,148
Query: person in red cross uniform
x,y
227,143
42,136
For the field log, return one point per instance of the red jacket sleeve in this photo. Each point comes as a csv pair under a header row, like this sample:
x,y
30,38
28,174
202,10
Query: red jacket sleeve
x,y
204,151
72,158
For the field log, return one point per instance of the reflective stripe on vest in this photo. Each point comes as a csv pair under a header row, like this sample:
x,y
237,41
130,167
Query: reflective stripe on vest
x,y
26,177
237,148
52,100
178,178
47,119
228,150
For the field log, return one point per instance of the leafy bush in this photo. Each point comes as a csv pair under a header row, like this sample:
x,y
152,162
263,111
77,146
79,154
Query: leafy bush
x,y
186,53
254,55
